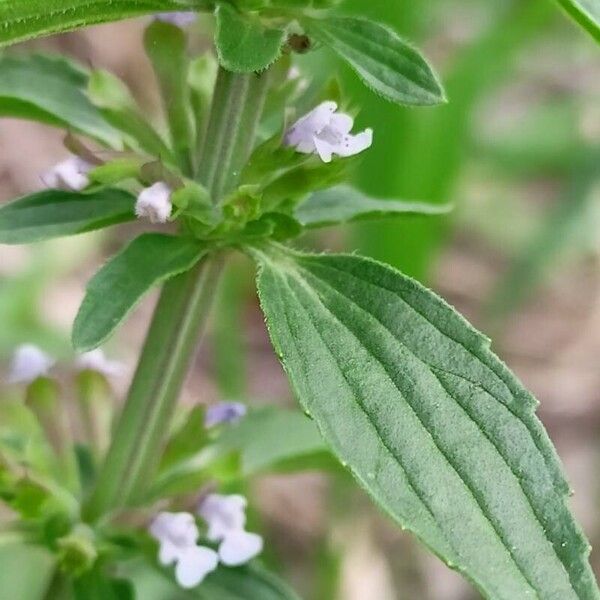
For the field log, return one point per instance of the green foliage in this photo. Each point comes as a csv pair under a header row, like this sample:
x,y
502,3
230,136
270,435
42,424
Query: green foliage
x,y
243,43
26,19
147,261
344,204
386,63
55,213
586,13
449,443
63,102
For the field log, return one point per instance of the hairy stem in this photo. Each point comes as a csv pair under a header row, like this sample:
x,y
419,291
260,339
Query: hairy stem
x,y
181,311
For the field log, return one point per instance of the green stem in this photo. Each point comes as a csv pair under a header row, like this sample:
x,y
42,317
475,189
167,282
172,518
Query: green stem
x,y
180,314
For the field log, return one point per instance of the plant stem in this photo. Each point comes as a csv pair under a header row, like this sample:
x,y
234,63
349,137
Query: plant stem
x,y
181,311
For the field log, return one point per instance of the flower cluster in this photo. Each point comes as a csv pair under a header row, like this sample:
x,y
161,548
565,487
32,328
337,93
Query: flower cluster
x,y
178,535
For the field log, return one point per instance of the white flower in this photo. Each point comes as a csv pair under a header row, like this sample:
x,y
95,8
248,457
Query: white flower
x,y
239,547
29,363
226,519
224,413
223,515
68,175
326,132
96,361
178,535
180,18
154,203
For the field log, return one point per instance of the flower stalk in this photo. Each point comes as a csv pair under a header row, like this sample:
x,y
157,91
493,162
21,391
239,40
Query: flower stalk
x,y
181,312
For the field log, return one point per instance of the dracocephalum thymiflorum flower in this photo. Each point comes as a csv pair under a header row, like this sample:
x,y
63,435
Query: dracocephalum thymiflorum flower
x,y
154,203
28,364
69,175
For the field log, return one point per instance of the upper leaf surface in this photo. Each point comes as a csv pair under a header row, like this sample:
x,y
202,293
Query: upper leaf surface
x,y
24,19
243,43
344,204
51,90
586,13
429,420
385,62
119,285
55,213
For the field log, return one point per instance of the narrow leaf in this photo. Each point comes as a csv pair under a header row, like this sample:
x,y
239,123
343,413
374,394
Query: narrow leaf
x,y
55,213
386,63
26,19
63,102
586,13
115,290
344,204
243,43
430,422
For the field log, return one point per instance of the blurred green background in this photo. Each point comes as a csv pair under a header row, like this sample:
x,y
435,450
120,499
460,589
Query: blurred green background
x,y
516,150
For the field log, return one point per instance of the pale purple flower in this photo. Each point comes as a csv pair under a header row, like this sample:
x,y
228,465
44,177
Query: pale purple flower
x,y
326,132
224,413
226,520
96,361
177,535
68,175
29,363
154,203
179,18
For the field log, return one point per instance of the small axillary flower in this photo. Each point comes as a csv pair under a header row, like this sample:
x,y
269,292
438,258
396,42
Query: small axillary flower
x,y
28,364
178,535
226,519
154,203
96,361
69,175
179,18
326,132
224,413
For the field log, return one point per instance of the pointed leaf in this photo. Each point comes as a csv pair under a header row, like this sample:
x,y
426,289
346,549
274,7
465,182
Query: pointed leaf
x,y
115,290
25,19
344,204
586,13
55,213
430,422
63,102
243,43
386,63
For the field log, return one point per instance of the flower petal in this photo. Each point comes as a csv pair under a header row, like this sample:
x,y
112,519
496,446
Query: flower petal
x,y
239,547
223,514
194,564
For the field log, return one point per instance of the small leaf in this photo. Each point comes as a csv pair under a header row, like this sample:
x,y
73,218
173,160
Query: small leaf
x,y
386,63
586,13
115,290
26,19
431,423
243,44
55,213
63,102
344,204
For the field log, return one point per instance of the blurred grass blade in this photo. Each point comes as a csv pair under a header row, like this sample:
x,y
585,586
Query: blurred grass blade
x,y
56,213
26,19
568,224
586,13
118,286
430,422
344,204
385,63
63,102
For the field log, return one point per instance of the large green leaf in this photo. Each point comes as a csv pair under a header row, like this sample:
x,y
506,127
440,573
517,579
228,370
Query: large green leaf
x,y
25,19
586,13
243,43
55,213
430,422
344,204
386,63
118,286
51,89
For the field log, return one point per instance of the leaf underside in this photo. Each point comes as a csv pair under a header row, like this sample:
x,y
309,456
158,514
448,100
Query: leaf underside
x,y
430,422
115,290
